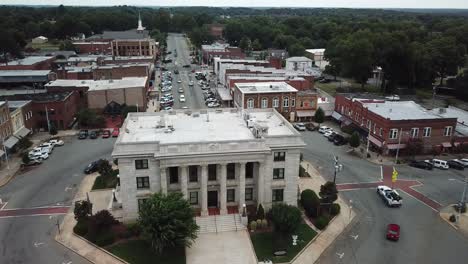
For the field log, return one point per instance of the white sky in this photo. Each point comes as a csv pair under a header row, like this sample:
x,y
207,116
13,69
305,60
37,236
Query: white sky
x,y
257,3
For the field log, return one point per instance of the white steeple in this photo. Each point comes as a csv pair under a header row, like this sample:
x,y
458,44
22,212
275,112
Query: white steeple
x,y
140,25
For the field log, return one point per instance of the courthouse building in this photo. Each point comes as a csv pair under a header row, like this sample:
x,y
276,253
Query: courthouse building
x,y
220,160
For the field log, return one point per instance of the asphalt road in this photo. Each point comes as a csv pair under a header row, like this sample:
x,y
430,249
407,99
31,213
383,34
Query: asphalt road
x,y
425,238
29,239
193,94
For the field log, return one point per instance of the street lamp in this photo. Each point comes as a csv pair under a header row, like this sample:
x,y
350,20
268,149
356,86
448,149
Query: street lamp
x,y
399,143
338,168
244,212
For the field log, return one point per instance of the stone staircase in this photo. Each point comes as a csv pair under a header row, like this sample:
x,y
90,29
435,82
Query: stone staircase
x,y
219,223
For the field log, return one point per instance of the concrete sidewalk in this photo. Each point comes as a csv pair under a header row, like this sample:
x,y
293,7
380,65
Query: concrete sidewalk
x,y
461,224
77,244
326,237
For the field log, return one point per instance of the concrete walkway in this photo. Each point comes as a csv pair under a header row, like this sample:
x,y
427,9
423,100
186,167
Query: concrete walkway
x,y
462,222
77,244
223,247
326,237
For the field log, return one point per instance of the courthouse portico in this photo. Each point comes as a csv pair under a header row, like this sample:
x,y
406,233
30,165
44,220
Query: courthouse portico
x,y
219,159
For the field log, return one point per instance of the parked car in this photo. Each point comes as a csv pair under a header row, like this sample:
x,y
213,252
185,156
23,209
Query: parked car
x,y
92,167
181,90
339,140
421,164
115,132
167,108
300,127
454,164
39,155
83,134
213,104
440,164
47,145
463,161
311,127
106,133
182,98
329,133
56,142
33,162
93,135
332,136
393,232
324,129
391,197
186,66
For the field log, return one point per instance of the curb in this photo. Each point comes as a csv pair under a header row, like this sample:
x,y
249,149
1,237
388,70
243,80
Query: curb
x,y
9,178
450,223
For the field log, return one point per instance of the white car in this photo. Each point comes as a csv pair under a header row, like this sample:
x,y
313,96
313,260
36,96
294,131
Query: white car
x,y
56,142
324,129
47,145
182,98
39,155
300,126
329,133
464,162
213,104
190,83
179,81
390,196
181,90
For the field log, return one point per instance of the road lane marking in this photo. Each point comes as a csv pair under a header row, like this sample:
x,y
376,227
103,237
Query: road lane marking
x,y
37,244
68,188
340,255
355,237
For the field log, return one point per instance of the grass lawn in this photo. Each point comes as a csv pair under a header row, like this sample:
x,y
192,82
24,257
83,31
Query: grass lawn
x,y
106,182
264,244
140,252
44,46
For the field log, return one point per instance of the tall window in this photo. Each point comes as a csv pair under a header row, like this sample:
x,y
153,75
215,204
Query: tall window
x,y
249,170
250,103
427,132
231,171
193,173
414,132
278,173
212,172
277,195
264,102
173,175
448,131
143,182
248,194
369,124
393,133
275,102
374,128
279,156
286,101
141,202
141,164
193,198
293,102
231,195
380,131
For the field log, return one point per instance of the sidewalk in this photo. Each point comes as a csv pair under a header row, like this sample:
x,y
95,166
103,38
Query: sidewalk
x,y
462,223
77,244
326,237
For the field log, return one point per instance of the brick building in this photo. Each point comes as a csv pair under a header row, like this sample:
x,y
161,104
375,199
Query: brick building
x,y
22,117
29,63
94,47
306,104
388,122
278,95
6,129
218,50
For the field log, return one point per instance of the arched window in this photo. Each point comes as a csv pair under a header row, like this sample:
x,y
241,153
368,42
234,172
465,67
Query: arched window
x,y
250,103
275,102
286,101
264,102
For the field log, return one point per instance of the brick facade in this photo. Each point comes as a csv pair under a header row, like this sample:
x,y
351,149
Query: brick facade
x,y
45,64
6,129
101,47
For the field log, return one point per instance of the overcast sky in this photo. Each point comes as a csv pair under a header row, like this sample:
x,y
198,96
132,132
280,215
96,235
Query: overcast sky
x,y
257,3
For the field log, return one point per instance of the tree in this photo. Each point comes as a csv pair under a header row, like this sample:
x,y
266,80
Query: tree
x,y
11,44
24,143
168,221
256,45
310,202
354,140
104,167
296,49
446,56
245,44
86,117
83,209
25,158
319,115
260,212
328,192
286,218
67,45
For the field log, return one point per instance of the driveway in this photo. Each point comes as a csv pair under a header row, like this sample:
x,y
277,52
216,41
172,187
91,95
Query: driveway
x,y
223,247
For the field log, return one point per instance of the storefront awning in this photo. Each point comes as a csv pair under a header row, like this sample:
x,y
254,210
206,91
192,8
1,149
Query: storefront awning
x,y
336,115
345,121
305,113
22,133
11,142
446,145
396,146
375,141
224,94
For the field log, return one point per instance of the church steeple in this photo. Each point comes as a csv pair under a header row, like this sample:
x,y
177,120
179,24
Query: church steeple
x,y
140,25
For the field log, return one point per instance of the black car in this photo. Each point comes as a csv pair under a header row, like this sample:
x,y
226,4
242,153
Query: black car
x,y
186,66
92,167
176,71
83,134
93,135
332,136
339,140
455,165
421,164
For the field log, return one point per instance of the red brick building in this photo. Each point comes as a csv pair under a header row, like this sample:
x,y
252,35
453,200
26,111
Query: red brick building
x,y
94,47
29,63
389,122
217,50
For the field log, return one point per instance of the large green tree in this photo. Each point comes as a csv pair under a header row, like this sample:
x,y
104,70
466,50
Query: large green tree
x,y
446,56
286,218
168,221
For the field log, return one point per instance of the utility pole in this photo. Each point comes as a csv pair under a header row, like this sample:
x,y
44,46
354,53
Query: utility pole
x,y
47,118
398,148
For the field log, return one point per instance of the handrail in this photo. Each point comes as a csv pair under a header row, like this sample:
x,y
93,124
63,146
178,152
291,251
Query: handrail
x,y
235,220
216,224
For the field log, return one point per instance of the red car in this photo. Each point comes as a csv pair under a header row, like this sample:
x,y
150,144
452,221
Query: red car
x,y
106,133
393,232
115,132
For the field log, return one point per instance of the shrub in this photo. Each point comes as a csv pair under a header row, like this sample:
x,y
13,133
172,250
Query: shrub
x,y
121,231
81,227
82,210
310,202
335,209
105,238
253,225
259,223
25,158
452,218
264,223
285,218
134,229
260,212
321,222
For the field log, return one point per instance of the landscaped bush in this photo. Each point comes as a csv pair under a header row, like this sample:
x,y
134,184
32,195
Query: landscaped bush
x,y
310,202
321,222
253,225
106,181
264,223
100,224
134,229
285,218
81,228
335,209
260,212
105,238
121,231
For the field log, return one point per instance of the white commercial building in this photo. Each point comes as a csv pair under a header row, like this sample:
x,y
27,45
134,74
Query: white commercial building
x,y
219,159
298,63
318,56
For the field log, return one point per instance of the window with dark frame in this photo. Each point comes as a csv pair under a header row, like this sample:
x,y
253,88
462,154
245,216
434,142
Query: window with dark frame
x,y
212,172
141,164
173,175
193,198
141,202
278,173
231,195
248,194
279,156
193,173
277,195
143,182
249,170
231,171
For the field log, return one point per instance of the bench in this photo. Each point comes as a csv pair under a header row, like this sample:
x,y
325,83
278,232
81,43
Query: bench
x,y
280,253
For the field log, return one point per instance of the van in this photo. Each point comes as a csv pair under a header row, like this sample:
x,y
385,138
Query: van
x,y
441,164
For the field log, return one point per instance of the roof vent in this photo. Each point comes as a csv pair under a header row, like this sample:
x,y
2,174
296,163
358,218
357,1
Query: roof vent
x,y
196,115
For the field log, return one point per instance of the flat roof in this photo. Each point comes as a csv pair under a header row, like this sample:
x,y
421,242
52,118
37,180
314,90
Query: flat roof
x,y
211,126
18,104
454,112
266,78
95,85
91,42
110,58
14,73
299,59
28,60
83,58
239,60
264,87
398,110
316,51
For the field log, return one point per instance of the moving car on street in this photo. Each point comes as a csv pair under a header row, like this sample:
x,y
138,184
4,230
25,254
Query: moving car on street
x,y
182,98
393,232
390,196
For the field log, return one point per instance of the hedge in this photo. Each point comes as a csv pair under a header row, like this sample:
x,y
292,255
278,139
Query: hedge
x,y
335,209
310,202
321,222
